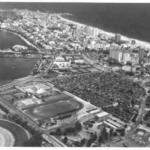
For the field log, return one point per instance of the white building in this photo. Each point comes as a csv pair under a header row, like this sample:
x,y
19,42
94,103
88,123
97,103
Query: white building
x,y
126,57
79,61
61,63
126,68
102,116
3,25
120,56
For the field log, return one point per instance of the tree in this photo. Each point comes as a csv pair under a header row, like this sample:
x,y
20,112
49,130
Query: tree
x,y
122,133
58,131
25,124
104,135
148,91
129,73
125,126
77,143
94,137
132,103
148,101
115,134
64,133
78,126
12,100
111,131
83,141
89,143
106,52
70,130
65,140
129,63
34,141
100,140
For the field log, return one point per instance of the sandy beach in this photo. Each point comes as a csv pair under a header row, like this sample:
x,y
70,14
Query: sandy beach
x,y
110,34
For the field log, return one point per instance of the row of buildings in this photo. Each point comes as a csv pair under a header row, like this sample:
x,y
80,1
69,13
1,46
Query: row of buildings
x,y
124,56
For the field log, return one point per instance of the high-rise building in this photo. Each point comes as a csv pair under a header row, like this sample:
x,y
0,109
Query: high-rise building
x,y
126,57
141,54
117,37
133,42
134,59
120,57
114,53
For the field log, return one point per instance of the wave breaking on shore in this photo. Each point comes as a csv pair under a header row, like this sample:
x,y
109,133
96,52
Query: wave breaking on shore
x,y
110,34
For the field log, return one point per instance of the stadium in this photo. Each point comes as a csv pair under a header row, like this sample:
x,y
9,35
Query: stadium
x,y
54,106
11,134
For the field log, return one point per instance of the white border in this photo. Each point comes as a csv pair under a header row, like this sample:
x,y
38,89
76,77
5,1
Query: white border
x,y
81,1
76,1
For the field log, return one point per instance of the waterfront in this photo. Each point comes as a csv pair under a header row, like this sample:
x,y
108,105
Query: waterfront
x,y
128,19
13,68
8,40
79,11
101,17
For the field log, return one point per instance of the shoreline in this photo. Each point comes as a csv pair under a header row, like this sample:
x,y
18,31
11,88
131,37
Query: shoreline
x,y
32,56
24,39
110,34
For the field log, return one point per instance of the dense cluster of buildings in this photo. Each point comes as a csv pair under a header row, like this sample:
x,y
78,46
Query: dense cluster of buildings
x,y
52,32
125,56
49,31
55,110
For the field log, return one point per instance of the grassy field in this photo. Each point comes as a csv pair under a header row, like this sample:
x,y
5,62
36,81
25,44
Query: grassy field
x,y
18,132
58,97
55,105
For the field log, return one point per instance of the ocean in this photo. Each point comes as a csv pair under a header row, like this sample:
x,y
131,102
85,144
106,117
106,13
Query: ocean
x,y
13,68
132,20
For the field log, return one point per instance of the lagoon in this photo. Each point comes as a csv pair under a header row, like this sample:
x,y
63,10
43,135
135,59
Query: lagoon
x,y
13,68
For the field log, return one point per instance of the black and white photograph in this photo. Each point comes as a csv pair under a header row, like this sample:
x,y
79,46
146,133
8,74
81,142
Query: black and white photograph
x,y
74,74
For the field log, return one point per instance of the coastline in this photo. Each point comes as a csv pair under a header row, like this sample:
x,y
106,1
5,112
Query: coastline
x,y
109,34
24,39
13,55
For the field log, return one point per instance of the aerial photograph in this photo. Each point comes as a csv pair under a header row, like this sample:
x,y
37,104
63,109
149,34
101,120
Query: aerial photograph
x,y
74,74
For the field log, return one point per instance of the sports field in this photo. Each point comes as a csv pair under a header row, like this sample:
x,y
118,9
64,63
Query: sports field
x,y
11,134
57,97
55,106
